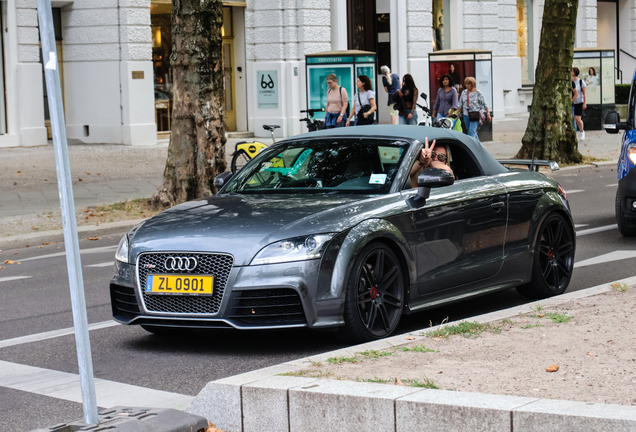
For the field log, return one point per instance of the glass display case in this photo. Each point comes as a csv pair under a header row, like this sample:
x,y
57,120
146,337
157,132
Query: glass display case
x,y
596,68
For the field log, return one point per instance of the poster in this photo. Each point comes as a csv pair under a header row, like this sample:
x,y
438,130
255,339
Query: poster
x,y
589,71
267,89
462,70
483,76
607,80
317,80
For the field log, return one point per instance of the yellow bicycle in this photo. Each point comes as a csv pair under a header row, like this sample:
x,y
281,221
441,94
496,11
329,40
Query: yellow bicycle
x,y
245,151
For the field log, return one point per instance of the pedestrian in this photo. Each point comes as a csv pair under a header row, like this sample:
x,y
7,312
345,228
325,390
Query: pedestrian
x,y
452,71
574,95
592,78
446,100
471,105
391,84
580,103
364,105
406,100
337,103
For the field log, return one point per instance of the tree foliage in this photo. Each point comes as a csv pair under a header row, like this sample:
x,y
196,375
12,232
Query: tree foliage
x,y
196,153
550,131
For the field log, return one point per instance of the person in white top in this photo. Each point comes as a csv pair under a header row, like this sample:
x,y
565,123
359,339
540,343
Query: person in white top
x,y
364,105
580,103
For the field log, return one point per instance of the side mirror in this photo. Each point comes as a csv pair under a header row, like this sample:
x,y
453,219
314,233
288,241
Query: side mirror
x,y
222,179
429,178
613,123
423,96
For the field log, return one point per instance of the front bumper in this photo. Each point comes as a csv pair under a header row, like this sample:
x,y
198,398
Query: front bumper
x,y
627,194
254,297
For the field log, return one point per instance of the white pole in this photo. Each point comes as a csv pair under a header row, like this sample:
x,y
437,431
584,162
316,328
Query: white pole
x,y
60,145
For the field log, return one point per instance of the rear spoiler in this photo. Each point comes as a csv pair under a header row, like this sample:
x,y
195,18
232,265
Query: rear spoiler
x,y
554,166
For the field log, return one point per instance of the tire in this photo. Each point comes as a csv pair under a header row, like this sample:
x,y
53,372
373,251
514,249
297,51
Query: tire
x,y
626,227
553,259
239,159
374,302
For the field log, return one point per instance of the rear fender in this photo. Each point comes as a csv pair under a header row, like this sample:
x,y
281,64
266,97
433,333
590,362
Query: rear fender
x,y
550,203
359,236
251,148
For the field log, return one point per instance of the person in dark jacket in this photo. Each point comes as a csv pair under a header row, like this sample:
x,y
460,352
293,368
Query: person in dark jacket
x,y
391,84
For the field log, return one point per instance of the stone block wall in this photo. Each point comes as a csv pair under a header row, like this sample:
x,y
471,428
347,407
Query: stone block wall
x,y
586,21
419,28
280,30
28,39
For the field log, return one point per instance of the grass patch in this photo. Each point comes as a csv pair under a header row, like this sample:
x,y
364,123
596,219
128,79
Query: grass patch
x,y
418,349
559,317
374,354
360,356
528,326
307,374
619,286
425,383
537,307
341,360
465,329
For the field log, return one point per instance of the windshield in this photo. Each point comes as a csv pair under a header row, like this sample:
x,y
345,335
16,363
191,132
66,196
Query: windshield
x,y
366,166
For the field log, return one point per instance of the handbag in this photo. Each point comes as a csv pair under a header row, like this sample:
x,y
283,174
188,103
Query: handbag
x,y
364,108
472,115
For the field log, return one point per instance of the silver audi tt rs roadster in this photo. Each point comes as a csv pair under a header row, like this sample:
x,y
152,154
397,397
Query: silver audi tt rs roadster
x,y
325,230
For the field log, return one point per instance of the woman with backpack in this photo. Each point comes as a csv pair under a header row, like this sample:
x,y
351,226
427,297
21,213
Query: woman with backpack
x,y
337,103
364,105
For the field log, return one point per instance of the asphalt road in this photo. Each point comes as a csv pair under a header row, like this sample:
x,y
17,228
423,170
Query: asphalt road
x,y
34,298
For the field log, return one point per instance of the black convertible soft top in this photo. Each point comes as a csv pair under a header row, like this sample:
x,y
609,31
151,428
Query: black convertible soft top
x,y
409,132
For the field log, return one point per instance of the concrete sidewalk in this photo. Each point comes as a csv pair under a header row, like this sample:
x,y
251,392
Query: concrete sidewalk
x,y
105,174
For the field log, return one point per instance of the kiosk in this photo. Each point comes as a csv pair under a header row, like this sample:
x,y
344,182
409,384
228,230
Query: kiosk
x,y
596,66
467,63
347,65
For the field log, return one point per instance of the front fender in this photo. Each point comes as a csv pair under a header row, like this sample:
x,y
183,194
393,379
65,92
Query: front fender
x,y
251,148
357,238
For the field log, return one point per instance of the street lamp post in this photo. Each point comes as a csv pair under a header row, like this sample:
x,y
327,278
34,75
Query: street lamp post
x,y
62,165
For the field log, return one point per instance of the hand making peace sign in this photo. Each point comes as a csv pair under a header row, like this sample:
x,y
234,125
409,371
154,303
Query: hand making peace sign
x,y
427,152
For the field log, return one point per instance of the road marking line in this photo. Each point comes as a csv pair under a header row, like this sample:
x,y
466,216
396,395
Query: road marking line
x,y
611,185
53,334
580,225
63,385
569,192
10,278
608,257
596,230
106,264
82,251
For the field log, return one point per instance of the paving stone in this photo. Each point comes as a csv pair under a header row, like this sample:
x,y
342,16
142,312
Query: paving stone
x,y
558,415
344,406
266,404
443,410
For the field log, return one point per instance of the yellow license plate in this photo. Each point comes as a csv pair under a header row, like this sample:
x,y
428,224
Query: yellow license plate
x,y
179,284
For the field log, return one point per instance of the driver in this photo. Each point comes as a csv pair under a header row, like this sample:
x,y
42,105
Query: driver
x,y
433,156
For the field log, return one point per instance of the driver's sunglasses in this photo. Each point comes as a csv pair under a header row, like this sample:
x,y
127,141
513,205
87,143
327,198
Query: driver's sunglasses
x,y
440,156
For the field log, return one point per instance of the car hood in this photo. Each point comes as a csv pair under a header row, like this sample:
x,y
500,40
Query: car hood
x,y
241,225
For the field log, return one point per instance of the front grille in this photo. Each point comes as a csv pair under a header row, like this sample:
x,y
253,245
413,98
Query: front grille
x,y
217,265
268,307
123,301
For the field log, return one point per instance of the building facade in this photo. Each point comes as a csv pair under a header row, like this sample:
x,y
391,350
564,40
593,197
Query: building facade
x,y
114,57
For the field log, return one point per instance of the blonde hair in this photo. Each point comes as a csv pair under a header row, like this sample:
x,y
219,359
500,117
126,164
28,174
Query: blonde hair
x,y
332,77
448,154
387,72
472,82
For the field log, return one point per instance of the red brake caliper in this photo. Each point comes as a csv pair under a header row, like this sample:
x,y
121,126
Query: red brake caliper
x,y
374,292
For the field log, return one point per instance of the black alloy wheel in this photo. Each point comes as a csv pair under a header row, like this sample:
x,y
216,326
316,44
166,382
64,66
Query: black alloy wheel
x,y
239,159
553,259
375,295
625,226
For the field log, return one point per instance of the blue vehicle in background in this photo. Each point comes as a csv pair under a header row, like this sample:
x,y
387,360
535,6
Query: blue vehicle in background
x,y
626,193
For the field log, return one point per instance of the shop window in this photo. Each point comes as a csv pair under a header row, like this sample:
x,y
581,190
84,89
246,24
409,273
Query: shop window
x,y
524,41
361,25
441,25
384,39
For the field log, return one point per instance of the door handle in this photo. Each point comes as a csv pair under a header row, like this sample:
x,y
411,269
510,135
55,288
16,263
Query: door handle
x,y
498,205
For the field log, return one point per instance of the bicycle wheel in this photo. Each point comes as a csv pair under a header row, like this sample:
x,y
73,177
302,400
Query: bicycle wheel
x,y
239,160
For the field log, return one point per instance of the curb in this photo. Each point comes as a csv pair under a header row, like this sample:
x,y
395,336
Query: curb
x,y
58,235
590,165
264,400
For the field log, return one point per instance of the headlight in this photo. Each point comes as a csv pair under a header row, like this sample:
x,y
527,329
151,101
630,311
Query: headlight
x,y
122,250
294,249
631,153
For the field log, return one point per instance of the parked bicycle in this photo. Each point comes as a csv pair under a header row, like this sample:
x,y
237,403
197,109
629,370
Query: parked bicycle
x,y
245,151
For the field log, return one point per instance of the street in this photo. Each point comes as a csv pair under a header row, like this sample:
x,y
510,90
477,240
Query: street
x,y
35,299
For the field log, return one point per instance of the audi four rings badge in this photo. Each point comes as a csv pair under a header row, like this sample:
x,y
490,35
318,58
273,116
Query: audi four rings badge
x,y
178,263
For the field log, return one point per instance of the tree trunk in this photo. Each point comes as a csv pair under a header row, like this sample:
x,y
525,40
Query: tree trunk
x,y
196,153
550,131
